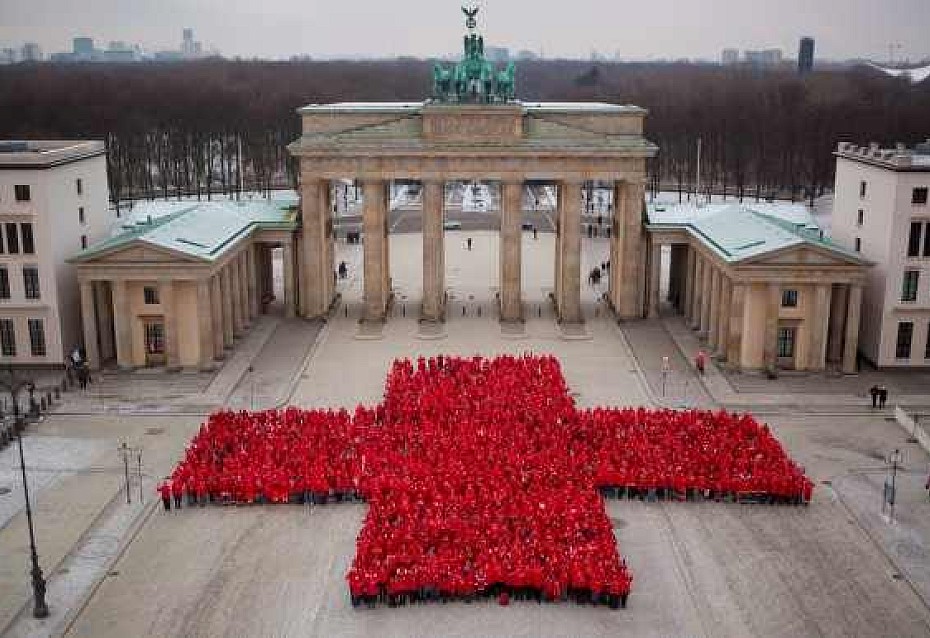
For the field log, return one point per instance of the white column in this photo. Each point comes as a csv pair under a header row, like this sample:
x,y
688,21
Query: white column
x,y
216,316
204,323
735,332
122,324
226,293
772,306
89,323
166,292
851,347
290,305
818,319
655,270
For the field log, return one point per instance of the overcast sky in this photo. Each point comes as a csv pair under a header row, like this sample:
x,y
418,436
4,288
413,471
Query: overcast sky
x,y
641,29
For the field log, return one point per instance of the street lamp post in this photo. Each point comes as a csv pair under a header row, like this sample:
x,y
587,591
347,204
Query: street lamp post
x,y
14,387
40,608
895,459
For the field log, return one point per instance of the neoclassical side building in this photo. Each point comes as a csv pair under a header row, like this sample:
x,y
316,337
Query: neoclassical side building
x,y
176,288
760,283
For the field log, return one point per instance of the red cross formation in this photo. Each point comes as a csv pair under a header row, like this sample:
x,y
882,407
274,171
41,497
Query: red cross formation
x,y
482,476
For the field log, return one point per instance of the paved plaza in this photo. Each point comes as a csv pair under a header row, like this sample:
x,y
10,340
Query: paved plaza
x,y
834,568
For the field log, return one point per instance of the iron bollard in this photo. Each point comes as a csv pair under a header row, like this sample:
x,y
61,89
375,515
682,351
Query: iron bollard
x,y
539,311
42,405
403,310
347,310
57,393
479,311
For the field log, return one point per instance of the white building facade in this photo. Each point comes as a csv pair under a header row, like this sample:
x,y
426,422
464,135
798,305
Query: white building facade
x,y
881,210
53,203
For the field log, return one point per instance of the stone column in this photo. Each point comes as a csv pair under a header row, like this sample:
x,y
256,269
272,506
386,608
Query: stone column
x,y
216,315
689,284
317,287
655,270
89,324
170,313
242,266
735,332
434,267
374,222
290,302
234,293
569,301
557,275
697,293
122,325
103,301
204,323
723,316
226,293
707,280
772,306
511,273
837,323
851,347
253,282
713,316
818,322
630,264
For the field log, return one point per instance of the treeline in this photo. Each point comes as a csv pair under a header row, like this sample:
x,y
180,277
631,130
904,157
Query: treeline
x,y
201,128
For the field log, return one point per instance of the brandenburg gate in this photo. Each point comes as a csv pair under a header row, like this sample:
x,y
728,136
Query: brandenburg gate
x,y
472,128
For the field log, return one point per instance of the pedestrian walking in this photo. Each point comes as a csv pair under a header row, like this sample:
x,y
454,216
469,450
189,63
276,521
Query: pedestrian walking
x,y
882,395
874,392
468,243
177,491
700,360
535,233
165,490
83,376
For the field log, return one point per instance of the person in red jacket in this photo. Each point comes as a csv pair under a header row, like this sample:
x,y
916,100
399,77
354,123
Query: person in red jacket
x,y
165,490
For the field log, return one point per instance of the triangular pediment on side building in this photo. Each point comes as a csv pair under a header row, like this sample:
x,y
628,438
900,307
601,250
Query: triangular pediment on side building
x,y
805,255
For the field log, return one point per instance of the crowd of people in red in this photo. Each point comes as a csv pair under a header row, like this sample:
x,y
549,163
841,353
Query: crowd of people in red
x,y
482,477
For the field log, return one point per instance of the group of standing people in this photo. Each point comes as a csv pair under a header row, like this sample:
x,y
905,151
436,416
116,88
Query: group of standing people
x,y
482,477
879,395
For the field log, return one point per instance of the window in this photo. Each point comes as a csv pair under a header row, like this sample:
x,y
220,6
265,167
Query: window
x,y
919,195
905,334
22,192
860,217
785,343
79,184
862,187
858,245
927,241
29,245
2,246
909,287
31,282
150,293
81,214
789,298
83,242
37,337
4,283
927,347
12,239
913,239
155,338
7,338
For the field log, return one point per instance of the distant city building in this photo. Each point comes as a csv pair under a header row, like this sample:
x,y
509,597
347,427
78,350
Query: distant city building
x,y
766,57
497,54
53,202
881,210
8,56
190,48
806,56
31,52
83,46
526,54
119,51
730,56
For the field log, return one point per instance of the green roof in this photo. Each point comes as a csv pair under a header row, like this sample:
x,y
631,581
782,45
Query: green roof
x,y
203,230
737,232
